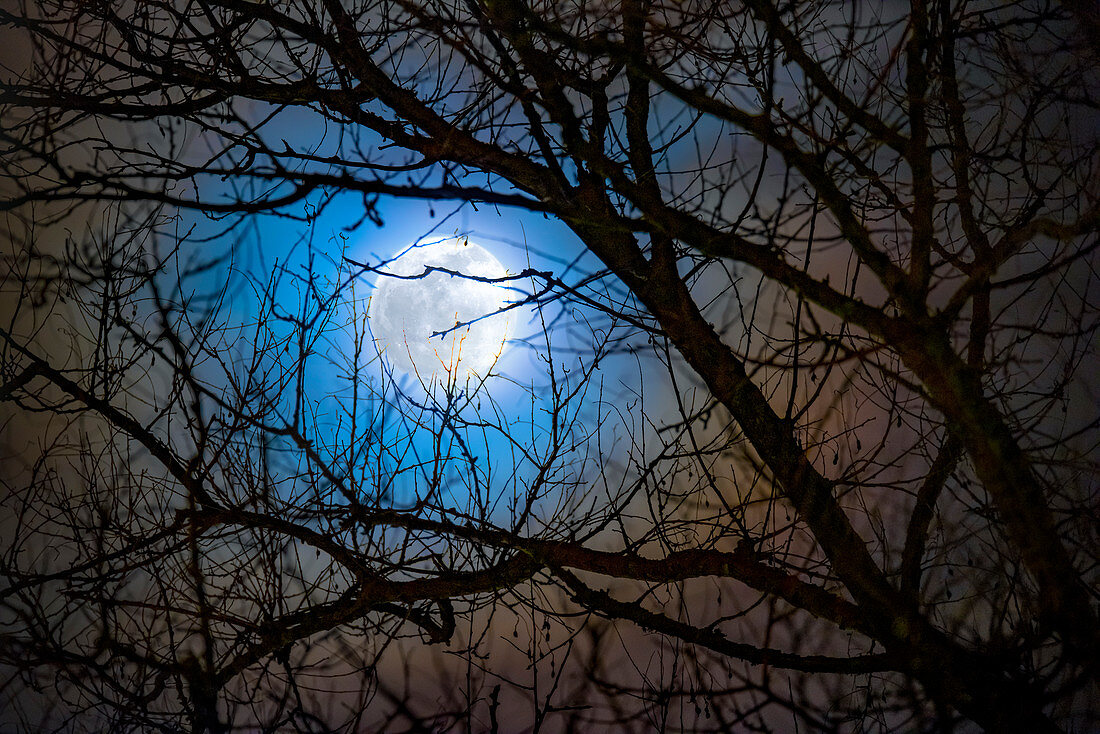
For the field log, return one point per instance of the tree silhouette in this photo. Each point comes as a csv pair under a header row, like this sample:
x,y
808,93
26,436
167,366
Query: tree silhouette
x,y
812,442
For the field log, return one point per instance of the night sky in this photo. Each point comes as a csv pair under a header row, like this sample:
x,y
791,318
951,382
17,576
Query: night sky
x,y
794,430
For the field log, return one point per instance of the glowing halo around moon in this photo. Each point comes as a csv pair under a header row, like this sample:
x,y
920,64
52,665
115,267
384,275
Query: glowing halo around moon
x,y
440,326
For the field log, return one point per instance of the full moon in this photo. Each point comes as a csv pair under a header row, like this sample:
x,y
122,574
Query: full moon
x,y
441,326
